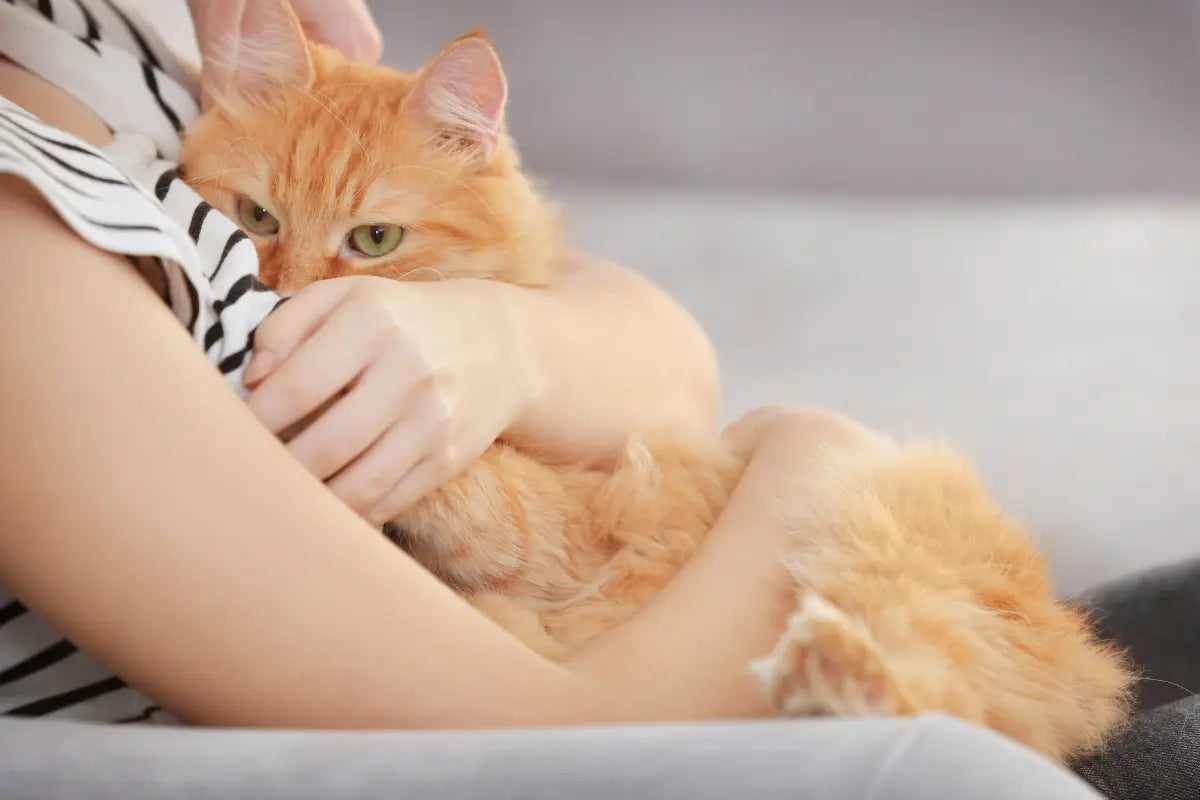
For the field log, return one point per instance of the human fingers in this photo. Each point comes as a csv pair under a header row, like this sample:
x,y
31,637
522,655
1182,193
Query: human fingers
x,y
374,476
355,422
321,366
422,479
289,325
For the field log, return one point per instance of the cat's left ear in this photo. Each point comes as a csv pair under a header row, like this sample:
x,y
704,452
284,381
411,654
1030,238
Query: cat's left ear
x,y
251,49
461,94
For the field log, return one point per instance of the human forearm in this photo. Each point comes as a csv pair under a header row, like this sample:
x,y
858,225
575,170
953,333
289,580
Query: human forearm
x,y
616,355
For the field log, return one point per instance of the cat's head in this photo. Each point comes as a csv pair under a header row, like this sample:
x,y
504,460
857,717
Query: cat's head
x,y
336,168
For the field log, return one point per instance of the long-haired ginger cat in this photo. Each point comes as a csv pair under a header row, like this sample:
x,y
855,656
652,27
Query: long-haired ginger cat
x,y
914,592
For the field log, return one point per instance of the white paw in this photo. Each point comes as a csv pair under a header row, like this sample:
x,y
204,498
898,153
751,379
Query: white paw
x,y
824,664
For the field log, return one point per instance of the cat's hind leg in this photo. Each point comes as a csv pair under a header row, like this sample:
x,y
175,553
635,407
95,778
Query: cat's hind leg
x,y
827,663
917,594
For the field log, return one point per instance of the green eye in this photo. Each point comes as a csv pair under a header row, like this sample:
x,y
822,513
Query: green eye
x,y
376,240
256,218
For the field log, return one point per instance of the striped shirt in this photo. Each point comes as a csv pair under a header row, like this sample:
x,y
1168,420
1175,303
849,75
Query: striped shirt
x,y
127,198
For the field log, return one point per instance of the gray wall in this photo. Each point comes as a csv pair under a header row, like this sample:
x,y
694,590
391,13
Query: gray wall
x,y
877,96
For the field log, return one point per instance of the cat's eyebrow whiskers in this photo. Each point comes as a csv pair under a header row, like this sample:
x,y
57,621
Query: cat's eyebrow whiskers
x,y
340,120
215,174
402,275
225,157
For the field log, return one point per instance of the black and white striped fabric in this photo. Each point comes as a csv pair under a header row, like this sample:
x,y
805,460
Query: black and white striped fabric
x,y
126,198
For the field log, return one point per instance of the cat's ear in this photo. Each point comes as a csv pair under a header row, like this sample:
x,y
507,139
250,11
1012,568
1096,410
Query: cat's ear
x,y
251,50
460,95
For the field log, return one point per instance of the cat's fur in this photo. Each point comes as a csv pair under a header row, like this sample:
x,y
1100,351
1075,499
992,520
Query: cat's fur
x,y
915,592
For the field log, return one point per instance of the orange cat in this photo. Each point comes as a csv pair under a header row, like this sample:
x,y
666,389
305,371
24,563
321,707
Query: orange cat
x,y
914,592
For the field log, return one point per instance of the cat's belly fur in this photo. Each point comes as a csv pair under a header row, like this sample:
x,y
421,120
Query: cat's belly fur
x,y
577,549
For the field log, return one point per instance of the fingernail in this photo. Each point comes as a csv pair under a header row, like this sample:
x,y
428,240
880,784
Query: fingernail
x,y
260,364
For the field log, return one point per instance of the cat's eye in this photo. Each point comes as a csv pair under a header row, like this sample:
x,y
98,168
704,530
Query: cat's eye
x,y
256,219
376,240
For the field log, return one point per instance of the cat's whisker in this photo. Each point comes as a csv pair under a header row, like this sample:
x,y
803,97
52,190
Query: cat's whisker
x,y
1190,692
192,181
336,118
378,106
403,275
223,171
332,106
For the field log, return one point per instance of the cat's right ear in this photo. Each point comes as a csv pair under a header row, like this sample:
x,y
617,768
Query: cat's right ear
x,y
460,95
250,49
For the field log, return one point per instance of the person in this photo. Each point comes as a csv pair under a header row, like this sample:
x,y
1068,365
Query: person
x,y
151,518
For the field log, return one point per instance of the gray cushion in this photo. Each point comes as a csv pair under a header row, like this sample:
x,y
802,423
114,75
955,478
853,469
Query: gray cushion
x,y
934,758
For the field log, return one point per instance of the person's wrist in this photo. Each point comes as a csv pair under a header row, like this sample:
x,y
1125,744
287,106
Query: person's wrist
x,y
516,324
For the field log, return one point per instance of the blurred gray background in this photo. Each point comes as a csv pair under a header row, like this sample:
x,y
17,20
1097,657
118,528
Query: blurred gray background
x,y
961,96
977,219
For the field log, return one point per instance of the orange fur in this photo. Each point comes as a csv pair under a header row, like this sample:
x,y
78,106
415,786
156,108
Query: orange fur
x,y
914,592
343,152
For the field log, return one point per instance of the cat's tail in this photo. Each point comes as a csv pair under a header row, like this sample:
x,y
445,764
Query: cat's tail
x,y
917,594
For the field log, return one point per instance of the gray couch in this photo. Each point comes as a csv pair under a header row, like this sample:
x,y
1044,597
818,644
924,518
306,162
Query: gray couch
x,y
976,220
932,759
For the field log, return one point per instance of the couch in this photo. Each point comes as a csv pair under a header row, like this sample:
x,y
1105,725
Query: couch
x,y
979,222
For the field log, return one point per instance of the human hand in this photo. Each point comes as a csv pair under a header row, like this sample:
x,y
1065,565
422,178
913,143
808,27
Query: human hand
x,y
346,25
432,374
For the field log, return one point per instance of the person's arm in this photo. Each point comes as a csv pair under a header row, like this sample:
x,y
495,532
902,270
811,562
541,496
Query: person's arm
x,y
148,516
426,376
617,355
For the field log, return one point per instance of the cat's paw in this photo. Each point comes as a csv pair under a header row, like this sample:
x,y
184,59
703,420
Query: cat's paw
x,y
827,664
